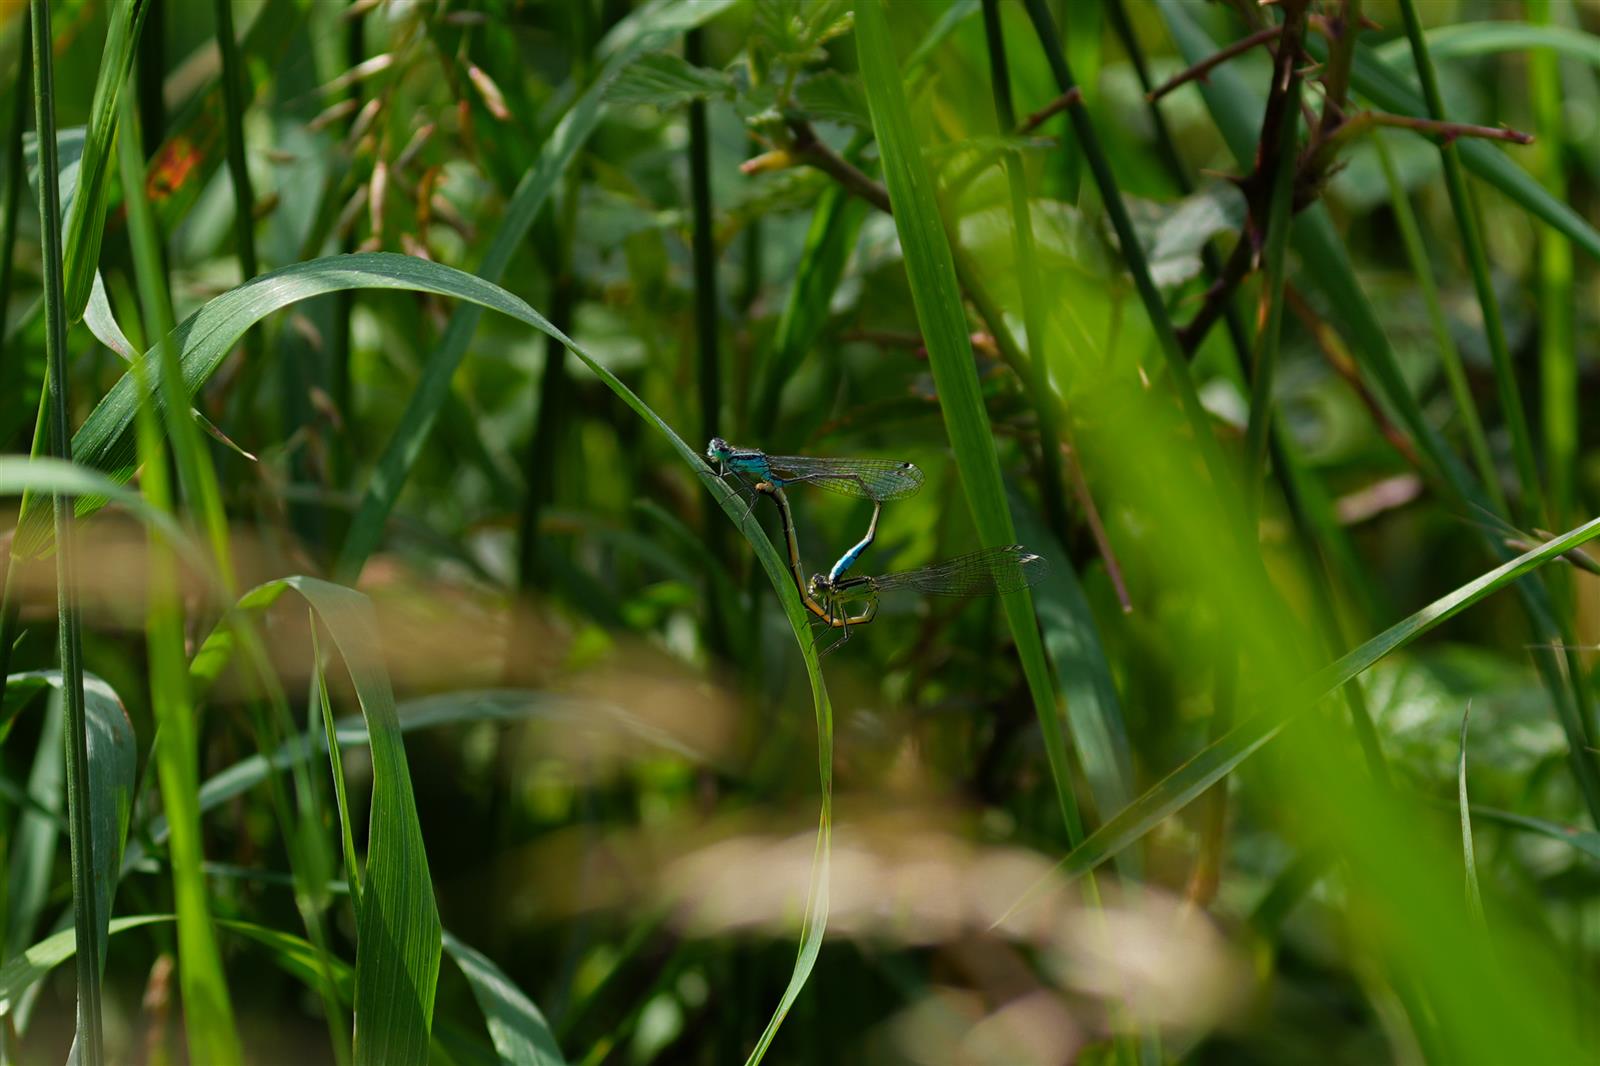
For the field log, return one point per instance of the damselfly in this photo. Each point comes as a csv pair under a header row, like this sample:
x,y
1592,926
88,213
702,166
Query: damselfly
x,y
842,603
870,479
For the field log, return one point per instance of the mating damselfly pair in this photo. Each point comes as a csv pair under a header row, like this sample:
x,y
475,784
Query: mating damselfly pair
x,y
838,601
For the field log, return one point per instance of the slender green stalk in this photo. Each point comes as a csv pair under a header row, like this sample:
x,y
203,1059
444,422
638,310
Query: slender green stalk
x,y
16,177
707,323
86,923
208,1012
233,96
1053,490
1466,213
1558,368
1449,355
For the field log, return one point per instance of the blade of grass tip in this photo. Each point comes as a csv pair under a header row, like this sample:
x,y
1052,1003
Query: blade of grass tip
x,y
1444,340
1465,208
1173,792
1474,897
930,272
1558,369
1053,490
208,1010
632,35
90,1038
86,217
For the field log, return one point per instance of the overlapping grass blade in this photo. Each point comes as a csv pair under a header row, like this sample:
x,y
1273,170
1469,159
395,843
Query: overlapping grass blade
x,y
930,271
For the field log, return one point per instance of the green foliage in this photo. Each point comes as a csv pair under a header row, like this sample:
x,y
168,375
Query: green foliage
x,y
1258,365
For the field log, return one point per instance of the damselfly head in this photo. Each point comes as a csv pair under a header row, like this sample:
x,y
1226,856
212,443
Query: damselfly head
x,y
718,450
818,586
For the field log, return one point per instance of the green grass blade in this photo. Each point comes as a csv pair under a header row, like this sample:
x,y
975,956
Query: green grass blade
x,y
397,926
930,270
352,868
1558,363
1586,841
1464,205
835,224
1173,792
1094,711
34,836
1444,340
519,1031
86,218
1470,40
24,970
645,30
89,1040
1474,896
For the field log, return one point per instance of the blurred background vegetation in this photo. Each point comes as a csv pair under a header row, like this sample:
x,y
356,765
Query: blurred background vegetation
x,y
1279,366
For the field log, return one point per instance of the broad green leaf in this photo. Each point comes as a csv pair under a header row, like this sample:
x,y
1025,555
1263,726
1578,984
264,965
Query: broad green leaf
x,y
832,97
665,80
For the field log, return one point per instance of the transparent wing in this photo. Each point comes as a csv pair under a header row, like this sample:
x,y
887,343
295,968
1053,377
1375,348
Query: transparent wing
x,y
992,570
869,479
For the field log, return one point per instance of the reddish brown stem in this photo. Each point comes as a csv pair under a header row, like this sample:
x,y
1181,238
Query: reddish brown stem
x,y
1200,70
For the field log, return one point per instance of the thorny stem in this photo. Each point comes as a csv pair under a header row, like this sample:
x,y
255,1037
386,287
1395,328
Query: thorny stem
x,y
1342,31
1202,69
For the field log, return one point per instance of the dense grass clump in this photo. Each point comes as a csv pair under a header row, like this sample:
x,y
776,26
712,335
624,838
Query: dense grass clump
x,y
391,672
